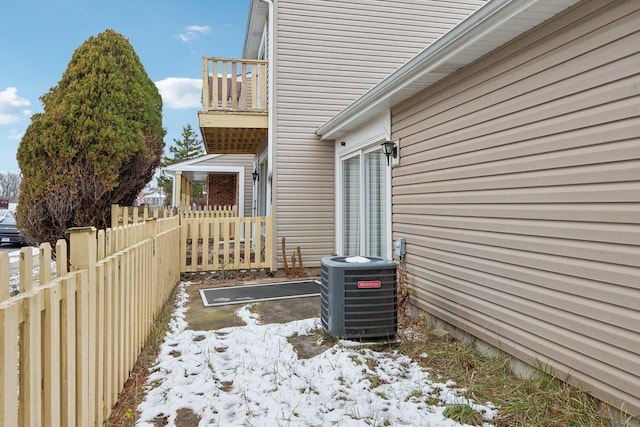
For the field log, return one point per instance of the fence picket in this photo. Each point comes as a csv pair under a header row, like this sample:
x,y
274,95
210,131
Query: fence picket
x,y
68,347
26,269
30,359
5,270
51,355
10,321
216,244
99,343
44,263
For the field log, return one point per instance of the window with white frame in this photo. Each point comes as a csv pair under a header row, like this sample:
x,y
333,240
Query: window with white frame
x,y
365,203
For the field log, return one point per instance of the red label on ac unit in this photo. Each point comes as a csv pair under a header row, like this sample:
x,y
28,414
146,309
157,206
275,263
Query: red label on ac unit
x,y
369,284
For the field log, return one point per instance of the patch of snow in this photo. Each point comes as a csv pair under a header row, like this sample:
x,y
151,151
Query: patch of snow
x,y
247,315
357,259
251,375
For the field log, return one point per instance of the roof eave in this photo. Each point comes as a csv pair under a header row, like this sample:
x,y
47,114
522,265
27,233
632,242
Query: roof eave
x,y
188,164
255,24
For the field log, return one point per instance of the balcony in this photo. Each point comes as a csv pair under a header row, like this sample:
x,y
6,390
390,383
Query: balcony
x,y
234,119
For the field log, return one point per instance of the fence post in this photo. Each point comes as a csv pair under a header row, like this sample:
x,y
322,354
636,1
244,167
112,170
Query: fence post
x,y
83,248
83,253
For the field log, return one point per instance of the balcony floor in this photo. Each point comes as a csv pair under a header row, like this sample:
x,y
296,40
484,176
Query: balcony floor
x,y
227,132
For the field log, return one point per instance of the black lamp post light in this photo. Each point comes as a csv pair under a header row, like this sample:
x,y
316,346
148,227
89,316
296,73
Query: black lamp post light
x,y
390,148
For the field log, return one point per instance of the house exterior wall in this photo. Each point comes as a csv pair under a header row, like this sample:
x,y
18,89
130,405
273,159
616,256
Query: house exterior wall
x,y
245,161
518,193
329,52
222,189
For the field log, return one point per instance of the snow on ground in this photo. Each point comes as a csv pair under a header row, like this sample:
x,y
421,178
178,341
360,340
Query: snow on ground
x,y
251,376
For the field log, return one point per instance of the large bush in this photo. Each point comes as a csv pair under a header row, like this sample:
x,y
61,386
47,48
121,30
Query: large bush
x,y
98,141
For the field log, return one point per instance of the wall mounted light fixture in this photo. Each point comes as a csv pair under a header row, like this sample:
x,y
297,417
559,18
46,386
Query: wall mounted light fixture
x,y
255,175
390,149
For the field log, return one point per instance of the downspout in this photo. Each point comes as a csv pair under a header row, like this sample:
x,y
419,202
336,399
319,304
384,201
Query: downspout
x,y
270,80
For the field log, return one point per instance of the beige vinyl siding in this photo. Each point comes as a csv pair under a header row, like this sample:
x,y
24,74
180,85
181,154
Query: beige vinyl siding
x,y
329,52
518,192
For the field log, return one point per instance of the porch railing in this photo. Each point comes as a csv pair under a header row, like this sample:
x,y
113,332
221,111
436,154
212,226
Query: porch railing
x,y
232,242
212,212
124,215
226,243
234,84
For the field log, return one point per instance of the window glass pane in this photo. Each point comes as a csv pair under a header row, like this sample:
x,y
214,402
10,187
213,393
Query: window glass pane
x,y
351,205
375,208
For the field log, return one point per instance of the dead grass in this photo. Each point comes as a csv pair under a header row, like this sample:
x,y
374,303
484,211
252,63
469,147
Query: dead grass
x,y
543,400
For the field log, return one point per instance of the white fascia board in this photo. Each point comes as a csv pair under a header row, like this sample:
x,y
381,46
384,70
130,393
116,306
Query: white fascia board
x,y
188,164
457,48
190,171
213,169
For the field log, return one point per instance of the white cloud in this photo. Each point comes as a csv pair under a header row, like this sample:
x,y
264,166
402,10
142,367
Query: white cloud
x,y
12,106
180,93
194,31
199,28
16,135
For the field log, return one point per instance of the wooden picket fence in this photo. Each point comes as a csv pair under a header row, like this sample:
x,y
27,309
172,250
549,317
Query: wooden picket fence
x,y
71,336
227,243
213,212
124,215
67,344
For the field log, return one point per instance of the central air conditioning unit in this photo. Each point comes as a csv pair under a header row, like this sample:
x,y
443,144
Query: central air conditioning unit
x,y
358,297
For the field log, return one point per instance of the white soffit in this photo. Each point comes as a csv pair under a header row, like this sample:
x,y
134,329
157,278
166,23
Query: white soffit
x,y
258,11
491,26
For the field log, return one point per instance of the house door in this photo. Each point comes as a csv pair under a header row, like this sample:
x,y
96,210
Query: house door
x,y
366,203
223,189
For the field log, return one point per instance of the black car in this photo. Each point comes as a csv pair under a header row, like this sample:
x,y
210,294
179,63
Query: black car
x,y
9,233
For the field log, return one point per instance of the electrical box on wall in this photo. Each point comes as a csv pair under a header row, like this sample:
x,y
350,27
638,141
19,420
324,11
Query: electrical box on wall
x,y
400,247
